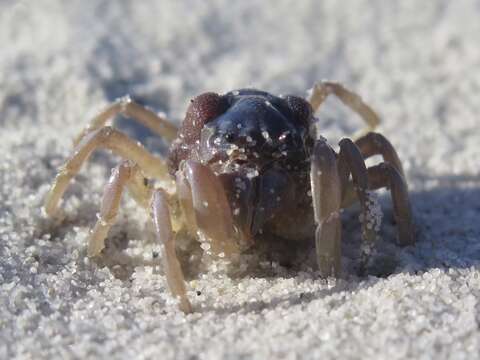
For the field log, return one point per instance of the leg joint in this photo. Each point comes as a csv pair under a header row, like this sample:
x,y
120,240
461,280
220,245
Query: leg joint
x,y
376,144
105,132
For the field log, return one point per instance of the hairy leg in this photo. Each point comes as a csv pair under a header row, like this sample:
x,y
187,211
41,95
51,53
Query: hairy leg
x,y
126,106
323,89
326,193
107,138
163,228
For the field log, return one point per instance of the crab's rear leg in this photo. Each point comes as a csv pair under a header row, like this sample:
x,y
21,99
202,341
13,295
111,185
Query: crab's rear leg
x,y
163,229
387,175
126,106
376,144
390,174
326,192
209,203
323,89
350,161
113,140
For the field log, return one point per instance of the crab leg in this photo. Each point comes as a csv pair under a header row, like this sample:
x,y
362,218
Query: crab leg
x,y
326,194
126,106
212,211
163,228
128,174
125,174
350,161
184,194
323,89
377,144
113,140
387,175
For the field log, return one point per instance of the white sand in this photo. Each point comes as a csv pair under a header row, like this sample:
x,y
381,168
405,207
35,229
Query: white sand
x,y
416,62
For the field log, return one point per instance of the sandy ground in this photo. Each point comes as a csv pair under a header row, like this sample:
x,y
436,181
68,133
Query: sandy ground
x,y
416,62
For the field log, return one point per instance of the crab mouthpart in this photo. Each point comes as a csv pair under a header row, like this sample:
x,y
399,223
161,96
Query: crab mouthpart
x,y
256,198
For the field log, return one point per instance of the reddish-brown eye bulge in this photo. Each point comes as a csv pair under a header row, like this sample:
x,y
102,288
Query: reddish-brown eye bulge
x,y
202,108
302,111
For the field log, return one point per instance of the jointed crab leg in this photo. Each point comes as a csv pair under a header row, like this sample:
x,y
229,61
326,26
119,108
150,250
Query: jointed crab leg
x,y
390,175
386,175
377,144
109,208
326,194
156,203
163,229
350,161
323,89
211,207
184,195
111,139
125,174
128,107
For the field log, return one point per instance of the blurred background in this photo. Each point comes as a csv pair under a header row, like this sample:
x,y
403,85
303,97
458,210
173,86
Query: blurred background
x,y
416,63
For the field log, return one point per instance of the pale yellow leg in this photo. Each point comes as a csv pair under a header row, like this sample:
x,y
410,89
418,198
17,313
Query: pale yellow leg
x,y
163,228
126,174
323,89
126,106
155,202
113,140
184,194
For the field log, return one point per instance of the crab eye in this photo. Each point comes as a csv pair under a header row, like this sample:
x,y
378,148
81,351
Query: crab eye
x,y
230,136
202,110
301,109
285,136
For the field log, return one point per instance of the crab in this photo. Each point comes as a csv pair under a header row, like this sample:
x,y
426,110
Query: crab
x,y
243,164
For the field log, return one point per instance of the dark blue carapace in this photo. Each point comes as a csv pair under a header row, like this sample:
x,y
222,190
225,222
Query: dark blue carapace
x,y
258,128
245,127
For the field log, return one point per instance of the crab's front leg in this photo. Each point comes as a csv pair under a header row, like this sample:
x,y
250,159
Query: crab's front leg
x,y
326,192
165,235
127,174
206,207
